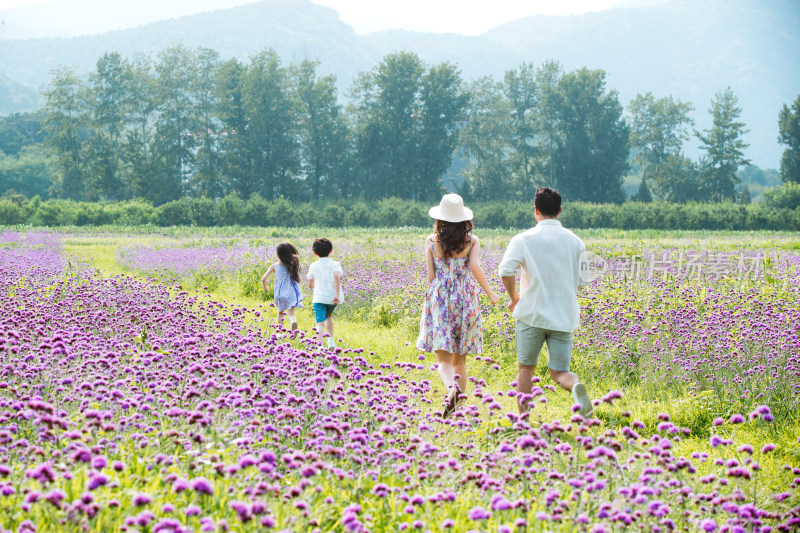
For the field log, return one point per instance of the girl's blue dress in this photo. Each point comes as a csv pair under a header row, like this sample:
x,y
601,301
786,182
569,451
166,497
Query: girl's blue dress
x,y
287,290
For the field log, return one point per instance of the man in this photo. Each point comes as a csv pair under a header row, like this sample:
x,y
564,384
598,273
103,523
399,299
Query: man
x,y
548,256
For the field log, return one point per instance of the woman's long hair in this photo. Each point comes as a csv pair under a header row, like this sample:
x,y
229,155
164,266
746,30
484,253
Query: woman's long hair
x,y
453,237
289,257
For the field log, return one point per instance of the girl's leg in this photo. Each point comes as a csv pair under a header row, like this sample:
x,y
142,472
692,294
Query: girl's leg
x,y
292,319
280,318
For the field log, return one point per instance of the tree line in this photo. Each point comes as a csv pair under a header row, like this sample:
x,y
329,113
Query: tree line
x,y
256,211
187,124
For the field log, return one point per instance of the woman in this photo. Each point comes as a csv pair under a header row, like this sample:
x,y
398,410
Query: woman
x,y
450,325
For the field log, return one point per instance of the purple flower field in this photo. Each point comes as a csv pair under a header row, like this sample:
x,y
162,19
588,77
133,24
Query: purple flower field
x,y
130,404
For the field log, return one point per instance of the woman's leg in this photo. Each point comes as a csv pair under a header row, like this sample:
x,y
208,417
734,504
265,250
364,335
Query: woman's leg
x,y
460,367
444,362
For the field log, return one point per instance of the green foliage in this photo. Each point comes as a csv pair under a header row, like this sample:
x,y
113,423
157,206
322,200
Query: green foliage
x,y
789,135
786,196
591,145
779,212
405,117
29,172
724,147
659,128
643,195
249,282
19,130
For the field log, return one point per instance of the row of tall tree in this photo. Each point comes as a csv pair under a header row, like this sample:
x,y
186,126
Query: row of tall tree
x,y
187,123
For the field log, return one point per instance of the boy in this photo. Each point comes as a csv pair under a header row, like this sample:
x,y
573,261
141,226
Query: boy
x,y
549,257
325,277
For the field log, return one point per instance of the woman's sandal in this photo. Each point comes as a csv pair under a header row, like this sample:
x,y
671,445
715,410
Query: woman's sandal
x,y
452,402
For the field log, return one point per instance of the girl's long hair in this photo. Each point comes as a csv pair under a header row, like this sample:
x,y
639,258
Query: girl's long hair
x,y
289,257
453,237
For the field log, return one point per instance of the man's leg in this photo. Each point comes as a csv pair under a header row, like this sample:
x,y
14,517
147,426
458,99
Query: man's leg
x,y
559,350
524,385
529,344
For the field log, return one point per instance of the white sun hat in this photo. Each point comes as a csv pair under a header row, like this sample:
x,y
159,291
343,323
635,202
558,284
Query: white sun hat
x,y
451,209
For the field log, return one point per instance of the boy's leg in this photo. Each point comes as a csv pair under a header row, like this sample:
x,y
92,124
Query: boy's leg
x,y
329,324
529,344
320,313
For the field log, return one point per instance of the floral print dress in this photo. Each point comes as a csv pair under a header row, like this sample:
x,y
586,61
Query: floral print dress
x,y
451,313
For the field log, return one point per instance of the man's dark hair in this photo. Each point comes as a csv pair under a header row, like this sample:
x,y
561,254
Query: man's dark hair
x,y
547,201
322,247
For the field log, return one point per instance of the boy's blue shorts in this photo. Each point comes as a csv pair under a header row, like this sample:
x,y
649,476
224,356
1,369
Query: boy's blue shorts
x,y
322,311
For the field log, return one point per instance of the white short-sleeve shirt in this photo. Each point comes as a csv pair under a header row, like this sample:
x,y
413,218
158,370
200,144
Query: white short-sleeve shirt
x,y
321,272
547,257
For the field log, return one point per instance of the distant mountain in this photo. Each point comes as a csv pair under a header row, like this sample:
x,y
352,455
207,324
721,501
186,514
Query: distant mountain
x,y
14,96
688,48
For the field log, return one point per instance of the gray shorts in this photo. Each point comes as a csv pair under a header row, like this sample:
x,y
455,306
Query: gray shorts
x,y
530,340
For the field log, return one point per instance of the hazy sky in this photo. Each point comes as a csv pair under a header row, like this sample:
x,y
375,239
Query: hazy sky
x,y
458,16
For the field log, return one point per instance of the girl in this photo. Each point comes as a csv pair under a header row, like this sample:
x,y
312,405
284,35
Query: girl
x,y
287,282
450,324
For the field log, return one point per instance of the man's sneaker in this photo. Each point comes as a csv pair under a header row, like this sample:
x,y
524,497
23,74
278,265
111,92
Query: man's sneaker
x,y
581,397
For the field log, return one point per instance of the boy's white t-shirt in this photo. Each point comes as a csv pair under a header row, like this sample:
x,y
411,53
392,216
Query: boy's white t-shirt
x,y
321,272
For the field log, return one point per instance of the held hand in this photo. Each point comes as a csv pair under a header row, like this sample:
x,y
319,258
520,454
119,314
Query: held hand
x,y
494,298
513,304
336,301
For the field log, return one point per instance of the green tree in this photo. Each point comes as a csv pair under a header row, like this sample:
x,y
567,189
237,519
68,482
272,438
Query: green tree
x,y
483,142
65,110
207,180
591,157
176,124
684,183
235,160
19,130
724,147
406,119
108,121
444,101
643,194
789,135
386,112
521,92
141,103
272,144
744,195
321,130
548,135
29,172
658,129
